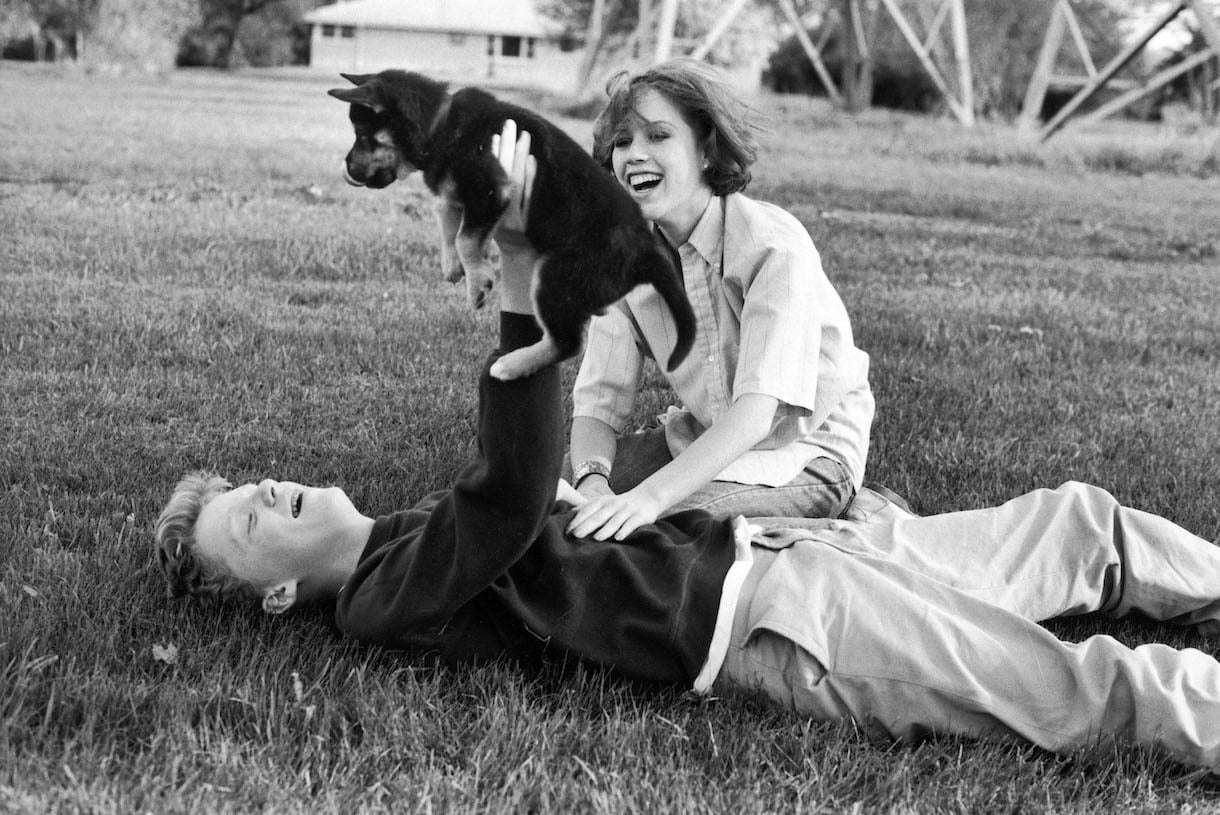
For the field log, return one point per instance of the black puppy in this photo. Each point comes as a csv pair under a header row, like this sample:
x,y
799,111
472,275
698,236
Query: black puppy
x,y
595,244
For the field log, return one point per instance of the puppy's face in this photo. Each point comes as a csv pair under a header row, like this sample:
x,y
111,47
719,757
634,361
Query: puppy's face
x,y
376,159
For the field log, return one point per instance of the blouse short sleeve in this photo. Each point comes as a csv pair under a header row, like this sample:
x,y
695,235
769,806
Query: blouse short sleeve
x,y
610,371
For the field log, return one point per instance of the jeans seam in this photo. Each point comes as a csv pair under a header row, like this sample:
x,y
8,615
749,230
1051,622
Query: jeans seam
x,y
760,489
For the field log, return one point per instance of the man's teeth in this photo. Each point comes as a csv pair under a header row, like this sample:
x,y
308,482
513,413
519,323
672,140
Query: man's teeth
x,y
643,181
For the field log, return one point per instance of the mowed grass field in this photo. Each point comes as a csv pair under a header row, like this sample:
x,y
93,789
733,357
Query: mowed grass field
x,y
186,282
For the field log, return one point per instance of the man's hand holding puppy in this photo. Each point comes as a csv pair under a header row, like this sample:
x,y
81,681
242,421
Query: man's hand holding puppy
x,y
591,243
517,255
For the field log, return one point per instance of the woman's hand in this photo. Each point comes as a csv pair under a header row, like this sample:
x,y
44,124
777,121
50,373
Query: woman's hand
x,y
595,486
614,516
743,425
566,493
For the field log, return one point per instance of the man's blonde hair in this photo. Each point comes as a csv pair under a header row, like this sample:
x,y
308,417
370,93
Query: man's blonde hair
x,y
187,571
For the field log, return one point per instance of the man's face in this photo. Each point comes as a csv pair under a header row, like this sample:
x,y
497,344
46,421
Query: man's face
x,y
275,531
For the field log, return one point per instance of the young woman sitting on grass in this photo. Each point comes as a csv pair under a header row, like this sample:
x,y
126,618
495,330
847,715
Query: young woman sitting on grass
x,y
908,626
776,405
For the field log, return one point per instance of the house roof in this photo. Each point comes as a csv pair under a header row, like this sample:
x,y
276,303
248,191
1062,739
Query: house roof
x,y
512,17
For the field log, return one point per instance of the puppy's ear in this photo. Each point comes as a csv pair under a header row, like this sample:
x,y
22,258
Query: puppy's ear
x,y
357,96
365,96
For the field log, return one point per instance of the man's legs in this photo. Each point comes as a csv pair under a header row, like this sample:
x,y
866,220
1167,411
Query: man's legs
x,y
1051,553
835,634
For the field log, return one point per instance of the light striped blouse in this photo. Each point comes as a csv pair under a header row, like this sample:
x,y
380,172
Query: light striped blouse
x,y
769,322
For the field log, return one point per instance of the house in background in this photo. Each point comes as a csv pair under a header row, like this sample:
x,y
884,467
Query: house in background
x,y
474,41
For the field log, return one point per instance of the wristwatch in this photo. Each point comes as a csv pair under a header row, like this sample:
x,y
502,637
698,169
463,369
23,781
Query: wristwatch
x,y
587,468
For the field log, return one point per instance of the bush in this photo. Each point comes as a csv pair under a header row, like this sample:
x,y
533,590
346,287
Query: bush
x,y
898,83
273,35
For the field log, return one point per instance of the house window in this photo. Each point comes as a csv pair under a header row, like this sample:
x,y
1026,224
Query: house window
x,y
491,45
328,31
510,46
457,38
347,31
529,48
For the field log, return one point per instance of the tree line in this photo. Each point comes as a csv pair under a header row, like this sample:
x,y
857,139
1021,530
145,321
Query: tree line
x,y
157,34
1005,37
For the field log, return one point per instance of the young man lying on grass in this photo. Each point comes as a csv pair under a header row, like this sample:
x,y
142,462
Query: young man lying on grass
x,y
906,625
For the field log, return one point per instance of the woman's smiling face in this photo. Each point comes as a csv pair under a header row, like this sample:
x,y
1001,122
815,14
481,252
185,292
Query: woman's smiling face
x,y
659,159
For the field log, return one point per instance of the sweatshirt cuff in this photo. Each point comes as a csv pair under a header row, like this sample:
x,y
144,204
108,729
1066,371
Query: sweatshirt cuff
x,y
517,331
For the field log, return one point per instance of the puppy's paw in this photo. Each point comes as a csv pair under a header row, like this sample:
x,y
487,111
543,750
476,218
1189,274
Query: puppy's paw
x,y
521,362
504,371
492,256
477,298
451,267
479,282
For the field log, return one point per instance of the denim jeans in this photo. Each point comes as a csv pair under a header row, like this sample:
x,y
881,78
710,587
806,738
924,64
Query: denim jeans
x,y
823,489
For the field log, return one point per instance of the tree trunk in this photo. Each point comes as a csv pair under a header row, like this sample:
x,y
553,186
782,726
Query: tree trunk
x,y
1211,90
872,16
857,80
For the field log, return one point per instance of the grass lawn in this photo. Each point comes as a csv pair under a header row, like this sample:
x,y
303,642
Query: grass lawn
x,y
186,282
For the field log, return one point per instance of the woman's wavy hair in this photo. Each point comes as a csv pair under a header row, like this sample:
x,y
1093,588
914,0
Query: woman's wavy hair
x,y
719,119
186,571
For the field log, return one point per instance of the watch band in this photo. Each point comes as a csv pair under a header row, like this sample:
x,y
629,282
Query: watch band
x,y
587,468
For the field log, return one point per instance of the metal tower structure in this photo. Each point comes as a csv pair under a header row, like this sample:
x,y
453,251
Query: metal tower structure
x,y
1064,19
926,45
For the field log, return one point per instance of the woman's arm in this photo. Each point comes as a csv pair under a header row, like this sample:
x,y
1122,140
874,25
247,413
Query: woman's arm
x,y
746,423
593,440
603,396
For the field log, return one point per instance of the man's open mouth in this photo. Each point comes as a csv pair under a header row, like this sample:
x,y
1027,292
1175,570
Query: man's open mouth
x,y
296,504
643,182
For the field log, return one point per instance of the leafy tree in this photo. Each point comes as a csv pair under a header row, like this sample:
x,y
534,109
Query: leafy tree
x,y
51,29
1199,88
628,40
254,32
101,34
138,34
212,41
276,35
574,15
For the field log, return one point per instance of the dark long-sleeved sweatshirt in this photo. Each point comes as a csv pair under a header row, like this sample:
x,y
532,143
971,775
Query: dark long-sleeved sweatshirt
x,y
486,570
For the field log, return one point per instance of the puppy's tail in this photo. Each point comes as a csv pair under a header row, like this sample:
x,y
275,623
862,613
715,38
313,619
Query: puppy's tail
x,y
659,270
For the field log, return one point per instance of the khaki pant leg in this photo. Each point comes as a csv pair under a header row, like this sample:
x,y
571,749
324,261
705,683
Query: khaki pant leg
x,y
1051,553
905,655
